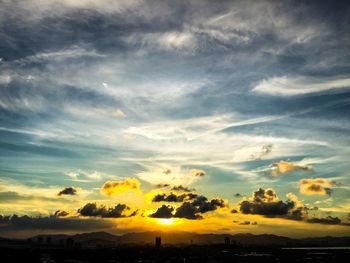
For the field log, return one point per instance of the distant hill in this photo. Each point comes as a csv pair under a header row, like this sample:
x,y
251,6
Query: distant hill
x,y
183,238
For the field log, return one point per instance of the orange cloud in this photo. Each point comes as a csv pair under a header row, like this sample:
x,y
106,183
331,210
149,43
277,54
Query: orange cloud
x,y
317,186
112,188
283,167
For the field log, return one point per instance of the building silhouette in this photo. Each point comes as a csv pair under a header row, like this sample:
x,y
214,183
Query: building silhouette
x,y
227,240
158,242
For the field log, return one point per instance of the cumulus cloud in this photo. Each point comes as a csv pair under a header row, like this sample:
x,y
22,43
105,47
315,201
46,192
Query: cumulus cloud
x,y
317,186
112,188
283,167
266,203
165,211
201,205
191,209
172,197
94,210
68,191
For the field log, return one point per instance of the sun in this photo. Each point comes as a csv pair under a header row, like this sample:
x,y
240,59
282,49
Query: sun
x,y
166,221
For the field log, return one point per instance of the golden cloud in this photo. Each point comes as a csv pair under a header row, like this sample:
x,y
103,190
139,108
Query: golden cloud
x,y
317,186
197,172
112,188
283,167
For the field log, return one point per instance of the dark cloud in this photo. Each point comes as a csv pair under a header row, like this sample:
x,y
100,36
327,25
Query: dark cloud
x,y
61,213
179,188
246,223
182,188
266,203
93,210
200,205
173,197
16,223
164,211
329,220
190,209
187,210
268,209
68,191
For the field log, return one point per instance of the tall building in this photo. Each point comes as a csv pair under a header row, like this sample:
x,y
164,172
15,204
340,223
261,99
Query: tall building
x,y
158,242
227,240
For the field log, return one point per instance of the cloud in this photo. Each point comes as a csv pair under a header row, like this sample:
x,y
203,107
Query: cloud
x,y
87,176
200,205
247,223
329,220
165,211
25,222
61,213
118,113
179,188
112,188
265,150
197,172
266,203
187,210
317,186
291,86
93,210
167,171
68,191
158,175
182,188
191,209
173,197
283,167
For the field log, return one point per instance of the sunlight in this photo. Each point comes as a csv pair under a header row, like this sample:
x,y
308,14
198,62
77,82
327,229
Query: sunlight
x,y
166,221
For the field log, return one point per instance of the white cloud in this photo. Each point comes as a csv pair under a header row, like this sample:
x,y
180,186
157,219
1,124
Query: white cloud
x,y
290,86
5,79
155,174
183,41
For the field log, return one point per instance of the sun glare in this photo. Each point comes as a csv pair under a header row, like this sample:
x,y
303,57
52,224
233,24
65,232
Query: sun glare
x,y
166,221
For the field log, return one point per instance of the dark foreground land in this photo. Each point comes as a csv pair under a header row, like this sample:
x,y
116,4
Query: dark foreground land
x,y
213,253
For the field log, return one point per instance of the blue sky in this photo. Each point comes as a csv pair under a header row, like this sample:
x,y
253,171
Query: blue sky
x,y
253,94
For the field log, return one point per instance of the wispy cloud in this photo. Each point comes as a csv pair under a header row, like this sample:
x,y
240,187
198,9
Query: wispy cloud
x,y
291,86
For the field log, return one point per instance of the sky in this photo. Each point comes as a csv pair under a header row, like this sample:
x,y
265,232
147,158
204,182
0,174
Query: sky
x,y
204,116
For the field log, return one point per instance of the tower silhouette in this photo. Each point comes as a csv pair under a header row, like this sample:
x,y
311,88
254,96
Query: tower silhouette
x,y
158,243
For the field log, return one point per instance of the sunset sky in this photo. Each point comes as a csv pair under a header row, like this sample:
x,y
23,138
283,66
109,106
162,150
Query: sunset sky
x,y
203,116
